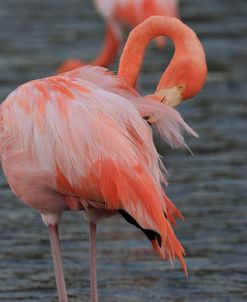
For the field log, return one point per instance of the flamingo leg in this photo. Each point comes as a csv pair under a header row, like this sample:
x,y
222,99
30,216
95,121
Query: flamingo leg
x,y
93,274
57,262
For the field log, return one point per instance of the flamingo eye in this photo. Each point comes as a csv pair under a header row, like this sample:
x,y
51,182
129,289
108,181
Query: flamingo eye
x,y
181,87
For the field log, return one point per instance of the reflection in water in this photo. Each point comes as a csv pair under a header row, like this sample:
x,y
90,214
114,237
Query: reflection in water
x,y
209,188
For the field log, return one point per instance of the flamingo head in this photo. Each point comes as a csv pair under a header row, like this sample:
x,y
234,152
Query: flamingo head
x,y
181,82
185,75
172,96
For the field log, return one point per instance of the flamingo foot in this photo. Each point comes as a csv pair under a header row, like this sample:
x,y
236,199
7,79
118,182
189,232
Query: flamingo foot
x,y
57,262
93,274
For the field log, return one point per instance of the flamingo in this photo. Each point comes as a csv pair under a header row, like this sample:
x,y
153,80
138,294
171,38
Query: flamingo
x,y
123,12
79,141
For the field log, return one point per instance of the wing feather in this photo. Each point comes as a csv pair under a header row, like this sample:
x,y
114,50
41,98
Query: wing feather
x,y
169,123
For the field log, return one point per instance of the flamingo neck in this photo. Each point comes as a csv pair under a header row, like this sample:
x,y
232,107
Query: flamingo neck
x,y
109,49
106,56
188,51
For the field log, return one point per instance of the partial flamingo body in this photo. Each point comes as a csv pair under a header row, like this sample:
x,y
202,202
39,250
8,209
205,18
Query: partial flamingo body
x,y
133,12
119,13
78,141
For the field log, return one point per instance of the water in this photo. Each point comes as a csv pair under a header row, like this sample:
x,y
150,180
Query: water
x,y
210,188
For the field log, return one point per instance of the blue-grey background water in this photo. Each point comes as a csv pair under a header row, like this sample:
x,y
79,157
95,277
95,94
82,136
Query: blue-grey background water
x,y
210,188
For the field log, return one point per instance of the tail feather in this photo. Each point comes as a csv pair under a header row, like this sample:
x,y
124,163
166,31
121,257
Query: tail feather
x,y
139,195
172,211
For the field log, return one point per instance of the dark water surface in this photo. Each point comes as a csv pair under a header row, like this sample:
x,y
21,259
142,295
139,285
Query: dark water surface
x,y
210,189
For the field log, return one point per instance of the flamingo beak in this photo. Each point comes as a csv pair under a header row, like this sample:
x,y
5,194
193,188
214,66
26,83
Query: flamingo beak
x,y
171,96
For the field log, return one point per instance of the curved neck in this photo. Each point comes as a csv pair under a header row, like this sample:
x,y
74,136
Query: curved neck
x,y
105,57
109,49
188,50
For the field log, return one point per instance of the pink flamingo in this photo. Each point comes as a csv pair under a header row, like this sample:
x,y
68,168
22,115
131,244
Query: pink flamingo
x,y
117,13
77,141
